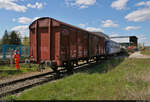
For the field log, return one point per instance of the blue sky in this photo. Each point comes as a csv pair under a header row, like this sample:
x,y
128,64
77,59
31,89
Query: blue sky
x,y
113,17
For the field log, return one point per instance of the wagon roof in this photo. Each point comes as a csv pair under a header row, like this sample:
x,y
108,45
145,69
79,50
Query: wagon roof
x,y
100,33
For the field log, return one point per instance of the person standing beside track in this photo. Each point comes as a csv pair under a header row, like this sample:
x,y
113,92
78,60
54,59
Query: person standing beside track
x,y
16,57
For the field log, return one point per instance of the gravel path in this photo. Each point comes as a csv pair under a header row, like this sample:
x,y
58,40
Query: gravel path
x,y
22,85
138,55
22,76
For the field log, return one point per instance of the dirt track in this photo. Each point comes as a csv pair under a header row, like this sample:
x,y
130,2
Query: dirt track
x,y
138,55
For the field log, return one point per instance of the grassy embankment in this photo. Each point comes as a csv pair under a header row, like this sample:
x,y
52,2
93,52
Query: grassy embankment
x,y
8,71
146,52
115,79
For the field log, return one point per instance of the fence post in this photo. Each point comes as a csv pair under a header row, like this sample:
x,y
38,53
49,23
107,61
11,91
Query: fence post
x,y
11,59
20,47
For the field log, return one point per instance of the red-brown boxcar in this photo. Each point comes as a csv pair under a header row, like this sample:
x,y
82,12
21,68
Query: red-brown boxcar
x,y
60,43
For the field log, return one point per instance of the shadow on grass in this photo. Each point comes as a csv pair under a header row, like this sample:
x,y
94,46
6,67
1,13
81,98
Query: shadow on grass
x,y
106,65
102,66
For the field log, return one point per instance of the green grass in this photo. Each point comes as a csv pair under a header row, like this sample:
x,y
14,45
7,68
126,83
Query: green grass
x,y
146,52
116,79
8,71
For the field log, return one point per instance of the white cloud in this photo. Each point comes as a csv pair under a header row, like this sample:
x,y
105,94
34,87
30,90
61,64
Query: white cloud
x,y
25,20
35,18
12,5
139,15
119,4
14,20
109,23
141,38
143,3
82,25
80,3
114,35
23,29
132,28
92,29
36,5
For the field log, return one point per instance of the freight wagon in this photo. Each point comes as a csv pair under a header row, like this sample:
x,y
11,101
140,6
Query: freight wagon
x,y
61,44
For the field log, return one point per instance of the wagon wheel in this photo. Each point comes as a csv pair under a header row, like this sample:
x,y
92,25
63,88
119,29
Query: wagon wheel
x,y
41,66
27,61
69,68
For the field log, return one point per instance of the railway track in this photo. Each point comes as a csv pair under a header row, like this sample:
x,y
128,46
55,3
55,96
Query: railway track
x,y
16,86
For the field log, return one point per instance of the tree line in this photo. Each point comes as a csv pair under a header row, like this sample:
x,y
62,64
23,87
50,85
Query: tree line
x,y
13,38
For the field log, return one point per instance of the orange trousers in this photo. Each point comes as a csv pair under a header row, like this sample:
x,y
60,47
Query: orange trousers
x,y
17,64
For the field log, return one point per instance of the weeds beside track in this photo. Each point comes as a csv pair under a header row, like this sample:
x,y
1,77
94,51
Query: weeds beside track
x,y
17,86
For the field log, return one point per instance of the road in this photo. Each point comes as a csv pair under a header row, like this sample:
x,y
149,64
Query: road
x,y
138,55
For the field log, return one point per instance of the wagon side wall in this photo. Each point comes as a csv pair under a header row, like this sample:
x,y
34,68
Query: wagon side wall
x,y
77,44
56,41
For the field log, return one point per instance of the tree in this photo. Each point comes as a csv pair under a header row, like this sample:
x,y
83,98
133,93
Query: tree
x,y
5,39
25,41
14,38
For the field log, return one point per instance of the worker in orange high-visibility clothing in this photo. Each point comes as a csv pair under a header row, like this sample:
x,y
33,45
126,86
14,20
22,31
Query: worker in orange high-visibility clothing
x,y
16,56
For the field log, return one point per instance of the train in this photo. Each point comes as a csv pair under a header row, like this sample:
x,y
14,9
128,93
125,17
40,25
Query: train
x,y
59,44
112,47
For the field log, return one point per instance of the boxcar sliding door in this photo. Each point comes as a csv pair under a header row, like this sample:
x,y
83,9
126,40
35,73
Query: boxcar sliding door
x,y
73,44
65,44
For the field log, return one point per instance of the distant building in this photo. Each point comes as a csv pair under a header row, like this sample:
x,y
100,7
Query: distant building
x,y
126,40
133,40
123,40
102,34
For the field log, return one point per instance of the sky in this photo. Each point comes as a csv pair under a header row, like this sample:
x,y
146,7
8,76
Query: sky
x,y
112,17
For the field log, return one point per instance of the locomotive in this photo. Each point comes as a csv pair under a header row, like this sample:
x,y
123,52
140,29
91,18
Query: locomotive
x,y
59,44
